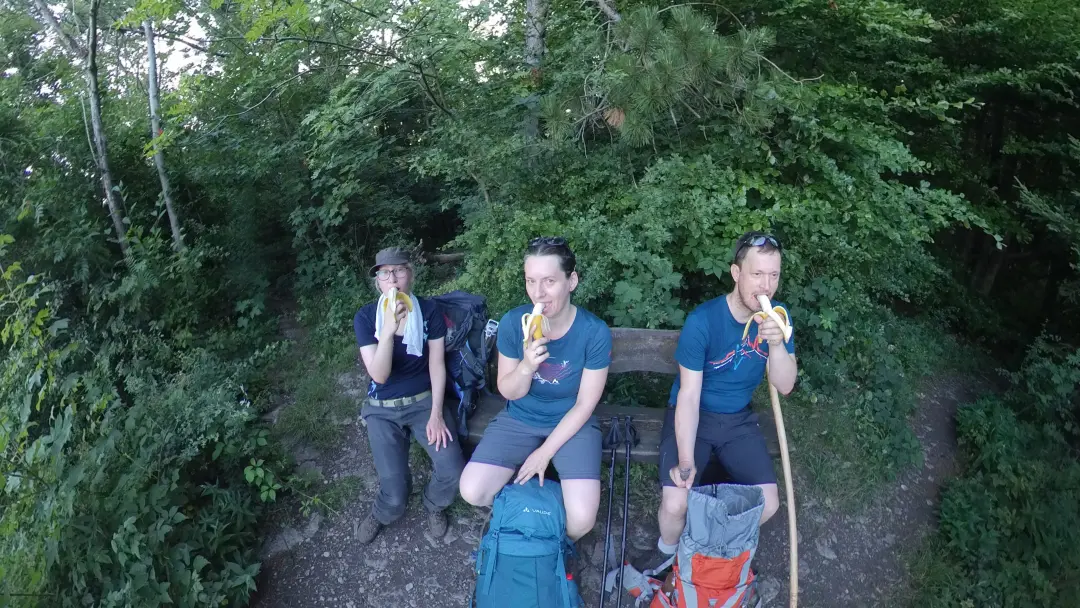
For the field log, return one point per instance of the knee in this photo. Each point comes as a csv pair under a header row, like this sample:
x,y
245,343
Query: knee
x,y
579,524
446,465
472,490
673,504
395,491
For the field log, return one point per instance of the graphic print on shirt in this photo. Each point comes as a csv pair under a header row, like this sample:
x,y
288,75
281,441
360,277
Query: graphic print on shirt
x,y
745,349
551,373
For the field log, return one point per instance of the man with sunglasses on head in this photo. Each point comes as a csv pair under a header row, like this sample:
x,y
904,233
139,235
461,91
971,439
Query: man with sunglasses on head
x,y
709,407
402,346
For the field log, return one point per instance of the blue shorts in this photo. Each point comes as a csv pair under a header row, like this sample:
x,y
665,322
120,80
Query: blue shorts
x,y
508,442
735,439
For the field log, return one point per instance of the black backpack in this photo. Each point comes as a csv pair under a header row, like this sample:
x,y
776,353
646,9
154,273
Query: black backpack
x,y
470,342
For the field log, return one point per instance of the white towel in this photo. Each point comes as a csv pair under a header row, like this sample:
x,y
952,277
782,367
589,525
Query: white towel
x,y
414,326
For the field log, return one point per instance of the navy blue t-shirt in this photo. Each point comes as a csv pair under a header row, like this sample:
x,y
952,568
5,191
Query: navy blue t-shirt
x,y
409,375
554,388
712,342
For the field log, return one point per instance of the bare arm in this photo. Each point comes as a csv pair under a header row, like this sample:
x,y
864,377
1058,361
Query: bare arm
x,y
687,408
437,371
378,357
515,375
782,369
437,433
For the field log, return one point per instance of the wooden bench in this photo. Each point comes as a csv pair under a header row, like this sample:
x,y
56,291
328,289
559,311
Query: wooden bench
x,y
633,350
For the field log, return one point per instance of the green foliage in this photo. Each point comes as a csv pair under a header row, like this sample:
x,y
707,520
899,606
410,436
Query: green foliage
x,y
1009,524
653,233
914,157
120,493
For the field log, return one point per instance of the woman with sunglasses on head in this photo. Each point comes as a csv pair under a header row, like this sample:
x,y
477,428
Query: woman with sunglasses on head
x,y
401,339
552,385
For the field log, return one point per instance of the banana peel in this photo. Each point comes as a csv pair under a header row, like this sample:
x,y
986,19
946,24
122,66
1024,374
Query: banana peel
x,y
776,313
393,296
534,325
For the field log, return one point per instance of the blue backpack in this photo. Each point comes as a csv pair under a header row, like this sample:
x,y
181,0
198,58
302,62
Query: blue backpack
x,y
522,557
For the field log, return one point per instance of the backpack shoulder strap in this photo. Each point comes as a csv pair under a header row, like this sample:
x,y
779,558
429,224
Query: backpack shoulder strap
x,y
568,601
488,547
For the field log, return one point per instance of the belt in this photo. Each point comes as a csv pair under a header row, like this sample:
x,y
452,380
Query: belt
x,y
400,401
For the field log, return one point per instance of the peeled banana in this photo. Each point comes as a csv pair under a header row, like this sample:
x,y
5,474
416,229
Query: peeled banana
x,y
393,297
776,313
534,325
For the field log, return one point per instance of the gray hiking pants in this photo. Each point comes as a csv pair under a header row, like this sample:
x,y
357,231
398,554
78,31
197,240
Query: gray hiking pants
x,y
388,431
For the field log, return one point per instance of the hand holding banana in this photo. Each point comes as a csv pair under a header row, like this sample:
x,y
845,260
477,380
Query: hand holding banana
x,y
398,305
533,326
773,324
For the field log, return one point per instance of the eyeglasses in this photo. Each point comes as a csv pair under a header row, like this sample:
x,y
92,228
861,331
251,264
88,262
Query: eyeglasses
x,y
400,273
556,241
757,240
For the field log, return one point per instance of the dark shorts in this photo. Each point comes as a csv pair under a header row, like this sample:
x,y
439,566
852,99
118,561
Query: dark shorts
x,y
508,442
735,439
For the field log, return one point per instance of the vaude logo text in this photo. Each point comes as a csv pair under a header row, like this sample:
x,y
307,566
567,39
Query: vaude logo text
x,y
537,511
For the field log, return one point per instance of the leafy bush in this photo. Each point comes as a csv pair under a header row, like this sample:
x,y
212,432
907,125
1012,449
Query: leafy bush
x,y
1010,524
652,248
120,490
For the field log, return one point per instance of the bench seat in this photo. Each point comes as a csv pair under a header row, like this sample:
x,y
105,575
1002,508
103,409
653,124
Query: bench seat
x,y
633,350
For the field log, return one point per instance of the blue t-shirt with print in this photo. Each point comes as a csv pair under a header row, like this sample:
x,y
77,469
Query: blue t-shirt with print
x,y
409,374
712,342
554,388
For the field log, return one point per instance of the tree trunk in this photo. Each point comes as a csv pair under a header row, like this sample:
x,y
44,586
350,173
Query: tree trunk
x,y
65,39
111,197
101,159
155,131
535,25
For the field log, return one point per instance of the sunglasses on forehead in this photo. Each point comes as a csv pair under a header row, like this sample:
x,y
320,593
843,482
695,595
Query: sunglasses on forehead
x,y
555,241
757,240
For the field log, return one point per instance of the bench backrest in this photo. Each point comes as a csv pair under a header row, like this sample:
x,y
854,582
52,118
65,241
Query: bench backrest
x,y
643,350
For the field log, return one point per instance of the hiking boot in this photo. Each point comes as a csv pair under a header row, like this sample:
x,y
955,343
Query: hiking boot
x,y
437,524
366,530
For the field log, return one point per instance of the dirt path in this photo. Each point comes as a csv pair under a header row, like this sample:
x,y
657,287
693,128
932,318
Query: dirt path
x,y
845,559
854,560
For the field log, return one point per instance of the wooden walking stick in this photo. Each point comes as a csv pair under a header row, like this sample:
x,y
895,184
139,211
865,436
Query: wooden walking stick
x,y
780,316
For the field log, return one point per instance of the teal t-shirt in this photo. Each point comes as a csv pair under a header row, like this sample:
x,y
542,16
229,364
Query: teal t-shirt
x,y
711,342
554,389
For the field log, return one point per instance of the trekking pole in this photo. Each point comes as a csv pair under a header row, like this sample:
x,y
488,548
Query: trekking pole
x,y
774,398
612,440
630,438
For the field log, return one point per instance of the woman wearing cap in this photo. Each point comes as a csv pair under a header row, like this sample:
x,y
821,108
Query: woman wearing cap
x,y
552,385
402,348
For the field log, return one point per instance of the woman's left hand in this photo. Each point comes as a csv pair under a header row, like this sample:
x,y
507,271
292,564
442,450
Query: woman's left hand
x,y
437,433
535,464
